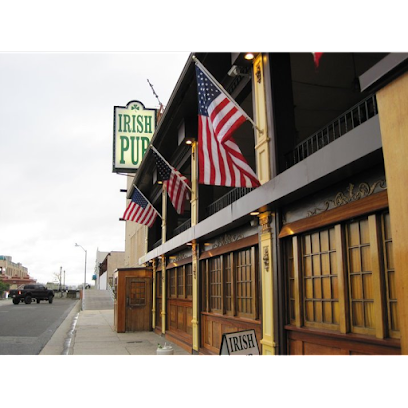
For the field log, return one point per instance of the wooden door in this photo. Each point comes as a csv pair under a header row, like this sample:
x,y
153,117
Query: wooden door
x,y
138,304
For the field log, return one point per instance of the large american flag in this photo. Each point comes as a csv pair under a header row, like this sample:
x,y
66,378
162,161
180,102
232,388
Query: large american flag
x,y
176,183
220,160
140,210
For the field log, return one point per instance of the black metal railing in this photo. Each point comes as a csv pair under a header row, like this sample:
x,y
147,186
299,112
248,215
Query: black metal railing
x,y
355,116
157,243
182,227
226,200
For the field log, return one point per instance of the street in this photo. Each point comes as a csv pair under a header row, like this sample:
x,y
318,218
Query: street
x,y
26,329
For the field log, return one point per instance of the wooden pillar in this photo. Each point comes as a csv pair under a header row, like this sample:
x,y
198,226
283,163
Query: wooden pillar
x,y
154,295
266,270
164,213
262,149
194,247
164,291
195,320
194,184
393,114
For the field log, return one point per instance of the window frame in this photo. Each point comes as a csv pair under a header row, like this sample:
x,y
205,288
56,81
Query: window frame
x,y
381,309
229,260
314,277
173,275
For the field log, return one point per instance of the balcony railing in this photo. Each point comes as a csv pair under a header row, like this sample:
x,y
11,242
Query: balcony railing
x,y
182,227
349,120
227,200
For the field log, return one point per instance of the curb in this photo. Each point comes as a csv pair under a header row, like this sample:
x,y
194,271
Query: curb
x,y
61,341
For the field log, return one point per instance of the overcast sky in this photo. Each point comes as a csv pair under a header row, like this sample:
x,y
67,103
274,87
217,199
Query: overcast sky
x,y
56,132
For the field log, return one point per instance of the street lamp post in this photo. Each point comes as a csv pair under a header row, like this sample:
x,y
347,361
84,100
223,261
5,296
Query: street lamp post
x,y
83,288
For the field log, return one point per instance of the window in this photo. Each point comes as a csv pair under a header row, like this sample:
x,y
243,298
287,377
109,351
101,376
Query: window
x,y
172,286
180,281
138,293
342,278
230,284
360,277
159,284
291,280
245,283
189,280
321,303
215,275
391,295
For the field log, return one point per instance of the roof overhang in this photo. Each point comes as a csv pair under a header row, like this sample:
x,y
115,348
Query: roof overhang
x,y
385,71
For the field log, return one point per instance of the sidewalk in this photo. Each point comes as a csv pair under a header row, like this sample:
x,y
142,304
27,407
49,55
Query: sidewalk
x,y
91,332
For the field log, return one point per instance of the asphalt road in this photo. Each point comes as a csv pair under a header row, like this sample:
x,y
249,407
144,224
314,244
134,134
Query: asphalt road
x,y
26,329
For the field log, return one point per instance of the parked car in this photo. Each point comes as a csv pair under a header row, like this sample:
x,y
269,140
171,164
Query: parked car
x,y
30,292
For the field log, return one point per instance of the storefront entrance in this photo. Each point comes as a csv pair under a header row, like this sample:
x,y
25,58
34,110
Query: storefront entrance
x,y
133,299
138,304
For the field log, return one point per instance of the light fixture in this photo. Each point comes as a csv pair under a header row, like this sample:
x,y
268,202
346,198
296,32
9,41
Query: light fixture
x,y
189,141
235,70
254,213
249,56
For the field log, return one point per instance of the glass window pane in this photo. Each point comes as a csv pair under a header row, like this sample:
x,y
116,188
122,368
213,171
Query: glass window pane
x,y
358,314
327,312
326,288
308,288
355,265
309,311
356,287
364,232
369,314
365,258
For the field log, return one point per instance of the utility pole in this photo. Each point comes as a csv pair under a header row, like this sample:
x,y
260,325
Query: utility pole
x,y
60,279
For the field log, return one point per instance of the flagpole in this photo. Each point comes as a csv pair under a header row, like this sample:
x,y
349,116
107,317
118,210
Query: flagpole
x,y
148,201
155,150
221,89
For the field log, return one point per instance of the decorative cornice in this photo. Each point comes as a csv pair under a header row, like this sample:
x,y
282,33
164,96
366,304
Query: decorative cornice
x,y
364,190
227,239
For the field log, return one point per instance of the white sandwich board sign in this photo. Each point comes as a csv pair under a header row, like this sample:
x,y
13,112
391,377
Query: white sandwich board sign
x,y
239,343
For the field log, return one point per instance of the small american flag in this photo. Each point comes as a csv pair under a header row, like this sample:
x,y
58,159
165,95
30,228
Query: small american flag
x,y
221,162
176,183
140,210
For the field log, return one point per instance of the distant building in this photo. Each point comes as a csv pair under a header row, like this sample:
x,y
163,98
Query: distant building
x,y
14,274
107,263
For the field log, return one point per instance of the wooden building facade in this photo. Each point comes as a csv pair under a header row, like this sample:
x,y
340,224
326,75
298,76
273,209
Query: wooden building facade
x,y
313,259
